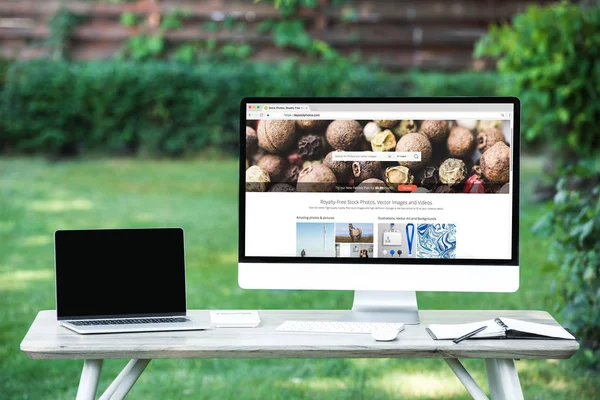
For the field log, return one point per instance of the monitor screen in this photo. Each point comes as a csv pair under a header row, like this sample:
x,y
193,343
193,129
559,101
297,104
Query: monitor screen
x,y
113,272
404,182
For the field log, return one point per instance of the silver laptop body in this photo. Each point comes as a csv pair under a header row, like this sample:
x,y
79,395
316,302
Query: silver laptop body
x,y
125,325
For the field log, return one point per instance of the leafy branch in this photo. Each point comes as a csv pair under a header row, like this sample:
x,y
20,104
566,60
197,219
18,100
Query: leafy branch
x,y
150,42
62,24
290,31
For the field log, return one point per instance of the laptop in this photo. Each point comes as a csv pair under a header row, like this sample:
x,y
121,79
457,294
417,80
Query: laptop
x,y
122,280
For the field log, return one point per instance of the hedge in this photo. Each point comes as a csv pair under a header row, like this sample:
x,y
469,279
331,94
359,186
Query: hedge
x,y
172,109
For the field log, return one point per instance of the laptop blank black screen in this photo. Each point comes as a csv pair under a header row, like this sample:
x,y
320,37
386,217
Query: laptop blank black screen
x,y
128,272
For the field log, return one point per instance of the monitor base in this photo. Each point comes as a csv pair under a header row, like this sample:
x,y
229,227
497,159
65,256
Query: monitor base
x,y
384,306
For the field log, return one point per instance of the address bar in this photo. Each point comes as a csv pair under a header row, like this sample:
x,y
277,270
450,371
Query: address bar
x,y
369,115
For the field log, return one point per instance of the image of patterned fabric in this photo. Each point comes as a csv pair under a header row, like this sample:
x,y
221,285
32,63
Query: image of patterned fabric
x,y
436,241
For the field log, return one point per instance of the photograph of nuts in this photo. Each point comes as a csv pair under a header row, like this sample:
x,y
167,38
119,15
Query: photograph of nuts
x,y
456,156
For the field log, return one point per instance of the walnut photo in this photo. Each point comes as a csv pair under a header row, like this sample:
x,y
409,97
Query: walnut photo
x,y
457,156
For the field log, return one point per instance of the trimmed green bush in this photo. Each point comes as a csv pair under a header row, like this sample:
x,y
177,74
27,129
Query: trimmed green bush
x,y
162,108
461,84
172,109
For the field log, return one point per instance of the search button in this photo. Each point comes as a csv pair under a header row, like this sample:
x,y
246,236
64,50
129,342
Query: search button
x,y
407,188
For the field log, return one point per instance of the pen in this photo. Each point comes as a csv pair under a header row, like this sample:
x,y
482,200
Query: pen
x,y
468,335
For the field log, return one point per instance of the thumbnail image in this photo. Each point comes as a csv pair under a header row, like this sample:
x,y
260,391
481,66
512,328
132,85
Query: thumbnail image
x,y
397,240
354,250
457,156
315,240
353,233
436,241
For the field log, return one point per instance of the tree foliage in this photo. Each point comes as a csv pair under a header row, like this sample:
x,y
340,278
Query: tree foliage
x,y
552,55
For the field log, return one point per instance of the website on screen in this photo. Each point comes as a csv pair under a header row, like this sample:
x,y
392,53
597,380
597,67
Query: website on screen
x,y
389,181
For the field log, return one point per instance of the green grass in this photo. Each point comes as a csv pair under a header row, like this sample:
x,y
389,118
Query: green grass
x,y
37,197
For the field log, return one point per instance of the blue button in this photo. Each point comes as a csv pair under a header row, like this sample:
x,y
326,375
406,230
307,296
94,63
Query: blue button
x,y
392,252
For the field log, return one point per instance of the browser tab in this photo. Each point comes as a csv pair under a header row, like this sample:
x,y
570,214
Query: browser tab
x,y
286,107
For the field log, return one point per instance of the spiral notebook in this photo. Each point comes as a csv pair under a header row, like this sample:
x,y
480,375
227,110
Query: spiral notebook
x,y
499,328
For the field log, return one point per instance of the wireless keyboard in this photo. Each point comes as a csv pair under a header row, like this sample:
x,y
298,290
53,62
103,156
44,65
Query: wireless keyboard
x,y
336,326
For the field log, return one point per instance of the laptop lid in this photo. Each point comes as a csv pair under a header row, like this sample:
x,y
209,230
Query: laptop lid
x,y
119,273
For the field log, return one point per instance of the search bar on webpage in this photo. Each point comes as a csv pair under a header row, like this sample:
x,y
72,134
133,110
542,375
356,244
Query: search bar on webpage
x,y
376,156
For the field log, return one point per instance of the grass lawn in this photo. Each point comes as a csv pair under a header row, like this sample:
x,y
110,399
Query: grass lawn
x,y
38,197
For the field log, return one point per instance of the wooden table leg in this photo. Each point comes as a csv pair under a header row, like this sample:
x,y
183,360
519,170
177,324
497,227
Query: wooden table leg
x,y
123,383
503,379
88,383
466,379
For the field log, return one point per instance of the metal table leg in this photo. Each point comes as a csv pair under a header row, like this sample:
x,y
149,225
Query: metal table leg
x,y
88,384
503,379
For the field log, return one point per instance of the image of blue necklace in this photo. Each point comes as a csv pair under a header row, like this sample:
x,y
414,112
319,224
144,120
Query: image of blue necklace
x,y
410,236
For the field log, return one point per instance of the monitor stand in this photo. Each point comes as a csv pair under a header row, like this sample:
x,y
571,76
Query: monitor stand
x,y
384,306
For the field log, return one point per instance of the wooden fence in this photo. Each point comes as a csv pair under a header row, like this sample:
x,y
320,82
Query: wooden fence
x,y
429,34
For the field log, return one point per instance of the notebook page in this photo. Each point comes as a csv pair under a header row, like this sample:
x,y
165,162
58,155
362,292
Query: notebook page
x,y
445,331
538,329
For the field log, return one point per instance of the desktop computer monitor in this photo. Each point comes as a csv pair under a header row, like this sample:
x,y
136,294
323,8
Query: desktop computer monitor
x,y
383,196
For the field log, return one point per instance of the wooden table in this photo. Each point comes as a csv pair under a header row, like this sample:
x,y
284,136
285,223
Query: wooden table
x,y
46,340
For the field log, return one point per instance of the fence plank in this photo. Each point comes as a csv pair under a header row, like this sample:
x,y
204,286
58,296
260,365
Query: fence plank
x,y
430,10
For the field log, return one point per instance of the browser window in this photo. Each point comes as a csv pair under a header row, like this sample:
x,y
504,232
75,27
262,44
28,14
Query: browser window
x,y
403,181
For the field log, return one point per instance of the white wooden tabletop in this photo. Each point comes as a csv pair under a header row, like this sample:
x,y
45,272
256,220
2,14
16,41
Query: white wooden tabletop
x,y
47,340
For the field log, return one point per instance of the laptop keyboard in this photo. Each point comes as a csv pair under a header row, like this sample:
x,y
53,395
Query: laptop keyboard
x,y
129,321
